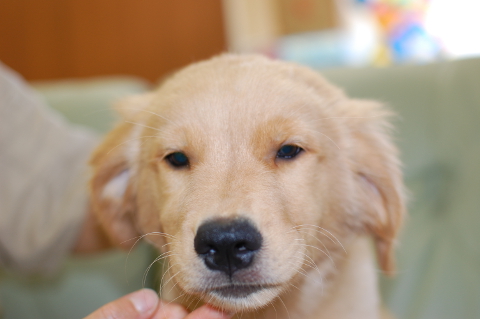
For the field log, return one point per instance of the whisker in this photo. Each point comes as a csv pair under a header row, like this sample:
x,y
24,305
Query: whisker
x,y
329,139
295,287
133,246
151,233
170,280
129,140
305,274
288,312
162,256
198,301
304,263
146,126
178,297
321,242
147,111
310,264
189,299
166,271
311,246
299,270
325,230
169,302
310,261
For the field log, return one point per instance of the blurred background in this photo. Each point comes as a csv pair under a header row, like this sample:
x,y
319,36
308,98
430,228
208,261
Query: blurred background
x,y
53,39
420,57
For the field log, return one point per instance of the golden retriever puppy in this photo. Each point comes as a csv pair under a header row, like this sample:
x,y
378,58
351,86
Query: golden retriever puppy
x,y
261,184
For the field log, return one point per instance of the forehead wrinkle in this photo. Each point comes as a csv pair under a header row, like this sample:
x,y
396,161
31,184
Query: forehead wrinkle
x,y
227,110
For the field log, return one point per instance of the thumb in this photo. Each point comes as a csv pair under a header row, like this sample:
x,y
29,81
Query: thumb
x,y
138,305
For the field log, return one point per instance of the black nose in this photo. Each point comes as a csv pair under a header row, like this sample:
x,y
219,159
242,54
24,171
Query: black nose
x,y
227,245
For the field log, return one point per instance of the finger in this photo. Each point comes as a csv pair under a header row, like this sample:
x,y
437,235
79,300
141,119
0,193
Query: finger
x,y
168,310
140,304
208,312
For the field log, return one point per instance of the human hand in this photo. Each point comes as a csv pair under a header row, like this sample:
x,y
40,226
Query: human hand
x,y
145,304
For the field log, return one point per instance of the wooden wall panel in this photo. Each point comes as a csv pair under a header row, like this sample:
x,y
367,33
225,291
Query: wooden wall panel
x,y
50,39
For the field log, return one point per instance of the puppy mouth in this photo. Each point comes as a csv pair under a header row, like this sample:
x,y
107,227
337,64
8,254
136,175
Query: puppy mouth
x,y
243,297
236,291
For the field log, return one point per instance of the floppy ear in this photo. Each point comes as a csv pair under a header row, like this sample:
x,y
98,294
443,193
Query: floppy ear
x,y
113,185
113,190
378,177
374,161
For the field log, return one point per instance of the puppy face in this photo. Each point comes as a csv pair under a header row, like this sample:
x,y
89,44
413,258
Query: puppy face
x,y
253,172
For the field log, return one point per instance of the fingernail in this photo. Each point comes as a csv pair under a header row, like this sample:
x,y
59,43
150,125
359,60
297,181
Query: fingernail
x,y
145,300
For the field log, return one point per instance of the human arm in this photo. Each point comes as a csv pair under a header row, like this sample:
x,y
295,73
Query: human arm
x,y
44,177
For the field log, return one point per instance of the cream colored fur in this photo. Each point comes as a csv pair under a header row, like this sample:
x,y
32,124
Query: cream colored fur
x,y
318,212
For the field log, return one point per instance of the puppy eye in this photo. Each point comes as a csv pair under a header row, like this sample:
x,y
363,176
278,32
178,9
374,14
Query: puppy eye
x,y
178,159
288,151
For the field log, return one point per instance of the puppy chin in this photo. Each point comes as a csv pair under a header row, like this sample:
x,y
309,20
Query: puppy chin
x,y
242,298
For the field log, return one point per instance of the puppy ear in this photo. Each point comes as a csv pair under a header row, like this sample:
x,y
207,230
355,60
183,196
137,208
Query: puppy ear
x,y
113,189
378,175
113,184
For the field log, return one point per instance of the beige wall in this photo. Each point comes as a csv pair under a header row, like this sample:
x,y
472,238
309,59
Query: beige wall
x,y
254,25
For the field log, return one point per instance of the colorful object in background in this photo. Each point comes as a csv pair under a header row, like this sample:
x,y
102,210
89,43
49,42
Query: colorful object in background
x,y
378,32
402,28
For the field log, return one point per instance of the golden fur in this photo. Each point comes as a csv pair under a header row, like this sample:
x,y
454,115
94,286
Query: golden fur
x,y
316,212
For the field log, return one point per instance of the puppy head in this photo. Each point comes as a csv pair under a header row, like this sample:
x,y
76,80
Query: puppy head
x,y
249,171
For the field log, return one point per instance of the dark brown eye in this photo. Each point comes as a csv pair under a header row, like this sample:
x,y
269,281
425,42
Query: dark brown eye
x,y
178,160
288,151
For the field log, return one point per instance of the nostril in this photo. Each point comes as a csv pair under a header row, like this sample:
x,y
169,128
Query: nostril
x,y
212,251
240,247
203,249
227,245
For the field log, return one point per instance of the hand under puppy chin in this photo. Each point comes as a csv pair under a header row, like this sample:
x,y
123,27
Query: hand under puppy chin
x,y
145,304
